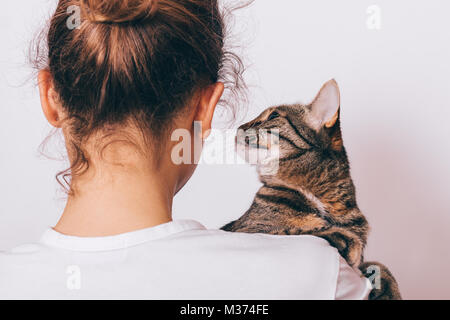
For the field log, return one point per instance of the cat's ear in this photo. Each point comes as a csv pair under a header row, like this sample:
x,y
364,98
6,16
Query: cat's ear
x,y
325,107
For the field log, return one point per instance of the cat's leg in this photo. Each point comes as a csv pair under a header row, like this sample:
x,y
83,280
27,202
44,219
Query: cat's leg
x,y
384,285
349,244
229,226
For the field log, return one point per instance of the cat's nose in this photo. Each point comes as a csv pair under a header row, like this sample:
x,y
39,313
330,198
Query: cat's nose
x,y
250,125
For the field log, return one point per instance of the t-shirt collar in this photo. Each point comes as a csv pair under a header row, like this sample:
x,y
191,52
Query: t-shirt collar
x,y
53,238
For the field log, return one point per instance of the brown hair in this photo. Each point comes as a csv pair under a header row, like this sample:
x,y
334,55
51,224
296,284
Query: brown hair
x,y
139,60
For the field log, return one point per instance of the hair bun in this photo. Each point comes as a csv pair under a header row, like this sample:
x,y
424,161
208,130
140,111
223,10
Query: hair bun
x,y
118,11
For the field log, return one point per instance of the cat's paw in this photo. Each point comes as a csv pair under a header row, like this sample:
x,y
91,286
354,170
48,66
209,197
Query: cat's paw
x,y
385,287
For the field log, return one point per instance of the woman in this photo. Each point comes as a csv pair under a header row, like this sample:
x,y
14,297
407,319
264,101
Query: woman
x,y
118,80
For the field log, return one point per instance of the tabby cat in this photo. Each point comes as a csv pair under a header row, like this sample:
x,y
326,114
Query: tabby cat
x,y
312,191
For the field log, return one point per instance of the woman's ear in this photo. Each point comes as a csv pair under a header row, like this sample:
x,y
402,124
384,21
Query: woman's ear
x,y
49,99
207,105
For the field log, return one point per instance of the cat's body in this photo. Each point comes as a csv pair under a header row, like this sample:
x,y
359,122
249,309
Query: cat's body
x,y
311,192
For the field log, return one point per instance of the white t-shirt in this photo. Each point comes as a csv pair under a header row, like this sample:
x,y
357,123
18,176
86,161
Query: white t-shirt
x,y
179,260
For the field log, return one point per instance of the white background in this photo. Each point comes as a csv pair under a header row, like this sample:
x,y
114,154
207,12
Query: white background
x,y
395,114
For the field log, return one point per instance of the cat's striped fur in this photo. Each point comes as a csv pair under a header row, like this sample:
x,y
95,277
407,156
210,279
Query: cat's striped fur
x,y
312,192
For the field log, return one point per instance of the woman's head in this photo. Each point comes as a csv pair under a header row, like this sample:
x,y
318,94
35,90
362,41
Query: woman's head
x,y
138,64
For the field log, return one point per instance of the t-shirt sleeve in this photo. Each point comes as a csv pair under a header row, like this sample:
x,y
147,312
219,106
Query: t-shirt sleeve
x,y
351,284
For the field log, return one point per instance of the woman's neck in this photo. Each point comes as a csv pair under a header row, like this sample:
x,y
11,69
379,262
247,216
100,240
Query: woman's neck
x,y
117,200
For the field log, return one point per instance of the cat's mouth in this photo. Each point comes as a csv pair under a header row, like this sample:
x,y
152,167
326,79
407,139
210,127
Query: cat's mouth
x,y
252,143
261,150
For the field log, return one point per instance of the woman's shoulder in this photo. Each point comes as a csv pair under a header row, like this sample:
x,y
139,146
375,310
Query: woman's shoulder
x,y
258,239
288,257
264,265
22,254
305,249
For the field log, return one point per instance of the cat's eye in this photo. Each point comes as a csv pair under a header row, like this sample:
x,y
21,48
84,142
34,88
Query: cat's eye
x,y
273,116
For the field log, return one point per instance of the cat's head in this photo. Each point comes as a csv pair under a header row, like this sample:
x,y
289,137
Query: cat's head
x,y
310,141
